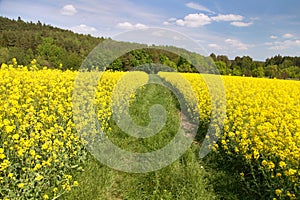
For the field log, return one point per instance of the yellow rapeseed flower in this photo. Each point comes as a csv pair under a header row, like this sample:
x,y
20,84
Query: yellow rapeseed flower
x,y
278,192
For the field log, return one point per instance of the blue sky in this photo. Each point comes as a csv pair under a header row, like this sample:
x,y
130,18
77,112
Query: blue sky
x,y
258,28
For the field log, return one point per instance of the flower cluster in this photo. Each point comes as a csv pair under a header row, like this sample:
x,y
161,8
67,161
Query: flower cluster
x,y
39,141
261,129
38,144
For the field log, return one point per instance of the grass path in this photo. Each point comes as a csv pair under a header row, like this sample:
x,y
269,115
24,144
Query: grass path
x,y
186,178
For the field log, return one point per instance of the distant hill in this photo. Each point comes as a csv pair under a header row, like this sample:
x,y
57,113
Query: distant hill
x,y
52,46
26,41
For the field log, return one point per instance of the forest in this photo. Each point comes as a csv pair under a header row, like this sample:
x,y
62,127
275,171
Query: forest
x,y
54,47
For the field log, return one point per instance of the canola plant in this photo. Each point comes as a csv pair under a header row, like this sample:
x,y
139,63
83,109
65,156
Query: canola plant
x,y
39,144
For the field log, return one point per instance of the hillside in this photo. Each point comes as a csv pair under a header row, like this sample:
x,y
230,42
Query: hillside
x,y
52,46
49,45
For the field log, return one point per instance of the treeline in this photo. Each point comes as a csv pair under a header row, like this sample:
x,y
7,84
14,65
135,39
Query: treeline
x,y
283,67
52,46
161,58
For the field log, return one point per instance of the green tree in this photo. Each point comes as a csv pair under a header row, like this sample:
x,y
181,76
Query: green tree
x,y
4,55
18,53
224,59
271,71
221,67
258,72
246,64
117,65
49,52
213,56
183,65
71,61
237,71
167,62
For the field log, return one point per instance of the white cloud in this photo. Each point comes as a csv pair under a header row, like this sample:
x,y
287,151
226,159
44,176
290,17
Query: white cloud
x,y
180,22
194,20
68,10
172,19
241,24
288,35
215,46
198,7
130,26
237,44
281,45
201,19
228,17
273,37
140,26
82,28
125,25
